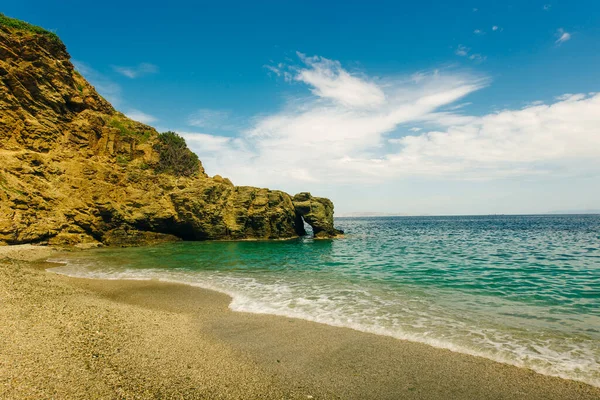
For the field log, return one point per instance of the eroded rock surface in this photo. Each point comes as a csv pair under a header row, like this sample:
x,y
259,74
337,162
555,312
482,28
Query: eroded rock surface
x,y
74,170
318,213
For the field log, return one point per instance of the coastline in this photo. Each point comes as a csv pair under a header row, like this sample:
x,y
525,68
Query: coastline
x,y
77,338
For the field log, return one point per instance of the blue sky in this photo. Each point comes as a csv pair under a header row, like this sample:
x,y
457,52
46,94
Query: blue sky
x,y
393,107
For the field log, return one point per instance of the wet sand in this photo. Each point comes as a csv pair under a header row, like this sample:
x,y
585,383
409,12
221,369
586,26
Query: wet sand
x,y
62,337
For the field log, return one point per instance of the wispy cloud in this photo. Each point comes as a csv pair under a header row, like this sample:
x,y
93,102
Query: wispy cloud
x,y
328,80
110,90
324,138
347,117
458,106
535,103
572,97
547,7
140,70
462,51
562,36
140,116
213,120
276,70
477,57
280,71
478,32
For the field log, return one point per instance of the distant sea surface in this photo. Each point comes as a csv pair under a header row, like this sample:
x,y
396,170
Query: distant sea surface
x,y
523,290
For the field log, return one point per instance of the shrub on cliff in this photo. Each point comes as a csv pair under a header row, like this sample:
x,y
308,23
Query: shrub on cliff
x,y
175,157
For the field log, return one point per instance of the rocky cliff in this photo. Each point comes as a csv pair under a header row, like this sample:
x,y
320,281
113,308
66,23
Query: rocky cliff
x,y
74,170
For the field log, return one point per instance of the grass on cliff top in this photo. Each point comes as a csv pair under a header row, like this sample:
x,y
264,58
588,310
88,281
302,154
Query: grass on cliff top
x,y
24,26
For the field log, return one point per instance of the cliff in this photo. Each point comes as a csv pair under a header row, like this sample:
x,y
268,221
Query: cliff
x,y
74,170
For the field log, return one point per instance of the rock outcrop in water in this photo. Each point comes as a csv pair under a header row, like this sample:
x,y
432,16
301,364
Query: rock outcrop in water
x,y
317,212
74,170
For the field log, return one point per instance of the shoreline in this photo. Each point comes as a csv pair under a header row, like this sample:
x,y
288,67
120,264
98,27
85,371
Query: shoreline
x,y
180,340
306,318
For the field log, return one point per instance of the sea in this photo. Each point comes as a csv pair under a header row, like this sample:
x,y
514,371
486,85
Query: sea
x,y
522,290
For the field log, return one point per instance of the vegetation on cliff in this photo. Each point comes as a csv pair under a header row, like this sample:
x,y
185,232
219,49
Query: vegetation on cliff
x,y
175,157
27,27
74,170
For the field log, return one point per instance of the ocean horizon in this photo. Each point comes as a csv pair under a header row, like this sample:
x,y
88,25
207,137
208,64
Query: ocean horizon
x,y
388,215
519,289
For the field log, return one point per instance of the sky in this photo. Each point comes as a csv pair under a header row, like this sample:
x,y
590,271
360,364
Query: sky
x,y
418,108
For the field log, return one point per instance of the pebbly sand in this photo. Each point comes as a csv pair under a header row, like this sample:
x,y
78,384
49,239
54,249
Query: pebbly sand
x,y
62,337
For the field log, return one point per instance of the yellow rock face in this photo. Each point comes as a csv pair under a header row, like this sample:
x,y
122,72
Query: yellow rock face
x,y
74,170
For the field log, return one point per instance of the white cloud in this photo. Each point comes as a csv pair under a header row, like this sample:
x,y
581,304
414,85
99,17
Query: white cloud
x,y
139,116
331,128
218,151
207,142
562,36
547,7
535,140
478,32
135,72
329,80
324,141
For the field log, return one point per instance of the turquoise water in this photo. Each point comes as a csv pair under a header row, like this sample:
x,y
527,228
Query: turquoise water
x,y
523,290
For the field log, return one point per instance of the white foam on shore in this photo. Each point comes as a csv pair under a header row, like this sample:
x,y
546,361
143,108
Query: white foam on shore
x,y
363,310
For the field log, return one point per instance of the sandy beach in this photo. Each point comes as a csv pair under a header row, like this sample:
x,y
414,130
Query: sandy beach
x,y
62,337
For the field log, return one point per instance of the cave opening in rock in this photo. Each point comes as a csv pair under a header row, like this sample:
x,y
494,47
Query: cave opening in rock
x,y
308,230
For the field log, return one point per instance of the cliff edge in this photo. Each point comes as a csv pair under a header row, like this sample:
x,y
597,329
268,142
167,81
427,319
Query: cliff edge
x,y
74,170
